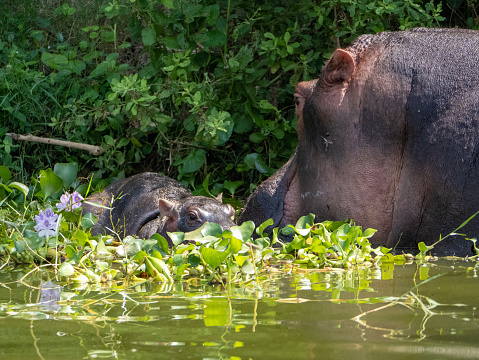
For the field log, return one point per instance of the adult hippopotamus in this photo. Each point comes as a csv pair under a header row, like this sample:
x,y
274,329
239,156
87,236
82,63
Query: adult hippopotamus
x,y
150,203
388,136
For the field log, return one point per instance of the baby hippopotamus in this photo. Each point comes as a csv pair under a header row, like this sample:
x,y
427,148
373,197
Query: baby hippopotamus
x,y
150,203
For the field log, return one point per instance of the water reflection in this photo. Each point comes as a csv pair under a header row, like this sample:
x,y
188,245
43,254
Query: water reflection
x,y
399,311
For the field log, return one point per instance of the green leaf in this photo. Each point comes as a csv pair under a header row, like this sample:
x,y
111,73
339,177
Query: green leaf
x,y
50,183
243,232
88,220
248,267
148,35
162,242
168,3
235,245
213,257
66,269
263,226
5,174
19,186
67,172
231,186
194,161
176,237
369,232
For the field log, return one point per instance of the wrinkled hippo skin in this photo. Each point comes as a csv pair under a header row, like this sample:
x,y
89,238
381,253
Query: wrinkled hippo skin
x,y
387,136
150,203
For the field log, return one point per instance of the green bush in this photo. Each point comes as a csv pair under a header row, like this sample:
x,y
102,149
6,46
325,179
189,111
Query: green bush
x,y
198,90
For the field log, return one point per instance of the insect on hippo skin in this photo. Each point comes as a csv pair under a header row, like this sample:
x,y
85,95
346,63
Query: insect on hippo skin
x,y
150,203
388,136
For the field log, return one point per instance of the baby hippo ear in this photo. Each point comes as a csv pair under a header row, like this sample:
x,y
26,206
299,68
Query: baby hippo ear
x,y
220,197
340,67
230,209
167,208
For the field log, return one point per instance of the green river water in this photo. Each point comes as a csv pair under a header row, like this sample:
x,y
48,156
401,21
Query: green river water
x,y
395,312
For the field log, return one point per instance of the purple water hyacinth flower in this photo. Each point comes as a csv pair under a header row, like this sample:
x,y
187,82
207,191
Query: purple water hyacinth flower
x,y
76,200
46,223
64,202
68,202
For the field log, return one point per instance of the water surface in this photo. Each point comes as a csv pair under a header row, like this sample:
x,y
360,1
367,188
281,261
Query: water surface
x,y
394,312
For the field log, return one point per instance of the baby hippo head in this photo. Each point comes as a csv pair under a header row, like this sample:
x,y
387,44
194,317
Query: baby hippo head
x,y
190,213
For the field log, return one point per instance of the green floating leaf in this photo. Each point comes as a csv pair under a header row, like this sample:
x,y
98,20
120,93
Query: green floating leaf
x,y
88,220
263,226
213,257
176,237
67,172
66,269
243,232
50,183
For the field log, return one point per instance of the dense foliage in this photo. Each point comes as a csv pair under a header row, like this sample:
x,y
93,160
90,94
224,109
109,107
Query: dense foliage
x,y
198,90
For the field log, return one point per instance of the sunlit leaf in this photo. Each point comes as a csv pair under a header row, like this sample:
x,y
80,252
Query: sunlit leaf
x,y
243,232
66,269
213,257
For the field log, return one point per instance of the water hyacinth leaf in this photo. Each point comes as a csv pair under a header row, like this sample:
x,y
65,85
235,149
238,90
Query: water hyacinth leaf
x,y
176,237
422,247
140,255
67,172
248,267
80,237
180,271
131,246
5,174
240,259
235,246
162,242
88,220
159,265
19,247
387,258
304,224
149,245
19,186
243,232
50,183
213,257
66,269
263,226
288,230
369,232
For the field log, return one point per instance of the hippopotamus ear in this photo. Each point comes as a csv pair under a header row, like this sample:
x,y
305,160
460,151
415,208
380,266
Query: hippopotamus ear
x,y
167,208
230,209
339,68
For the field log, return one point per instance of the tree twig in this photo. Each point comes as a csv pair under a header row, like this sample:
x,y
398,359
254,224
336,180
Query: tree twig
x,y
94,150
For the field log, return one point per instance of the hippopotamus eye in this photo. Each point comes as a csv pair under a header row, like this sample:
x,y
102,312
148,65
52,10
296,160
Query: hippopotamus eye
x,y
192,216
297,99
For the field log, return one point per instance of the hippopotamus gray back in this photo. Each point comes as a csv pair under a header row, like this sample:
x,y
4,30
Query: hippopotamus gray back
x,y
150,203
388,136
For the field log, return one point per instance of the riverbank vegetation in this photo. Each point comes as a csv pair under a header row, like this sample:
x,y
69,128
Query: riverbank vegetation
x,y
201,91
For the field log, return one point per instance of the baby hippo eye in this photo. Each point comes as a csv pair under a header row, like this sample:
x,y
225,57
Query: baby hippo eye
x,y
192,216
